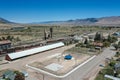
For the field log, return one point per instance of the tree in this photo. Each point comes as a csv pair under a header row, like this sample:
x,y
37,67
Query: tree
x,y
98,37
86,41
80,45
112,63
9,37
119,44
109,71
29,29
116,46
3,38
110,38
117,54
19,76
114,39
18,39
106,44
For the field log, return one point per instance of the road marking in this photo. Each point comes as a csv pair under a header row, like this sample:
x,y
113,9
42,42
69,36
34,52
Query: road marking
x,y
45,72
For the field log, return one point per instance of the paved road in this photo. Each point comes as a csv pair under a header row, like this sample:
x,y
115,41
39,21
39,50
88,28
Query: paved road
x,y
20,64
88,70
85,72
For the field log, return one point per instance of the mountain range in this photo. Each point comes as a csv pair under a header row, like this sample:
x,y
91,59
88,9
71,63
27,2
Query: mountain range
x,y
103,21
2,20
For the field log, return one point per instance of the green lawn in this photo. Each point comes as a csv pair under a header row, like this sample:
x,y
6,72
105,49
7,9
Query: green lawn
x,y
106,70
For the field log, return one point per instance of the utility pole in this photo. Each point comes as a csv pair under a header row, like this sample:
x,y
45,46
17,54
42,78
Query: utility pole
x,y
51,32
45,35
43,77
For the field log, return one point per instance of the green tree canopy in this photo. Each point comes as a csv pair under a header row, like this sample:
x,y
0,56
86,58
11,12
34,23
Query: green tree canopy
x,y
98,37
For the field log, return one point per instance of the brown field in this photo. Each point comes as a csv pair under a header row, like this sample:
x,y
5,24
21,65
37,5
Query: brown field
x,y
68,65
35,33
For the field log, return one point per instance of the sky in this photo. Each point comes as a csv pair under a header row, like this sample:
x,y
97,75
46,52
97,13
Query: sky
x,y
27,11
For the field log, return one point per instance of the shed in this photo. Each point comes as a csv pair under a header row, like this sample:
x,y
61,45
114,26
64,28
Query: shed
x,y
9,74
5,44
117,66
24,53
116,34
98,44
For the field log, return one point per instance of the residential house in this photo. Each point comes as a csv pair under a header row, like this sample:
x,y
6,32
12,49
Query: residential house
x,y
6,44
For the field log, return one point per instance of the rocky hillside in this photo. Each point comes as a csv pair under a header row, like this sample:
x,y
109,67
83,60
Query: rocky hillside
x,y
4,21
103,21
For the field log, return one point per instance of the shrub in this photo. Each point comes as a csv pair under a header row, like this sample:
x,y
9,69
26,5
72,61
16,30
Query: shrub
x,y
117,54
106,44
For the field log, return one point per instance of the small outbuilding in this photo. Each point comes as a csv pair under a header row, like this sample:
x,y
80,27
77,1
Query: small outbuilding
x,y
117,66
9,75
116,34
6,44
98,44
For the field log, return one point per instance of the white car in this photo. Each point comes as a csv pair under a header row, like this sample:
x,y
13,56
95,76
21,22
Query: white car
x,y
25,73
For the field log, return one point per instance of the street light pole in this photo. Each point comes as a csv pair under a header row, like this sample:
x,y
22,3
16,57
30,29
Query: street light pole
x,y
43,77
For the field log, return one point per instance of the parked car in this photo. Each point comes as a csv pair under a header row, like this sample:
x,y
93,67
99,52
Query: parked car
x,y
25,73
101,65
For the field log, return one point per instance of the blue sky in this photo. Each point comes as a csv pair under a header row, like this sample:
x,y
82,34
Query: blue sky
x,y
26,11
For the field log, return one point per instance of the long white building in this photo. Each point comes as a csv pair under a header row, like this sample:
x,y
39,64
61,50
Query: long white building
x,y
24,53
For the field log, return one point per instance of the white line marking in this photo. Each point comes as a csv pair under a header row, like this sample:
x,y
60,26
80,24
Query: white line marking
x,y
45,72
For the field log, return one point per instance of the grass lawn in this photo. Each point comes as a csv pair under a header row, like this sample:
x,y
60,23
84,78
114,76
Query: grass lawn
x,y
106,70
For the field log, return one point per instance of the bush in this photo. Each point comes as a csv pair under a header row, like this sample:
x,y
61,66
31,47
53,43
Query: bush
x,y
116,46
117,54
112,63
98,37
106,44
114,39
80,45
86,41
19,75
109,71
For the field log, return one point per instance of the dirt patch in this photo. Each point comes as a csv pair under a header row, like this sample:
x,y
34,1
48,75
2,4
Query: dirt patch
x,y
67,65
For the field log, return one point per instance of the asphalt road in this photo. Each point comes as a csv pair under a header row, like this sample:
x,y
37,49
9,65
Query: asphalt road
x,y
20,64
81,74
86,71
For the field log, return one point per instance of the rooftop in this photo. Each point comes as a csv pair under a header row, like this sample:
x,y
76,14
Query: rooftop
x,y
98,44
5,42
9,74
24,53
117,65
